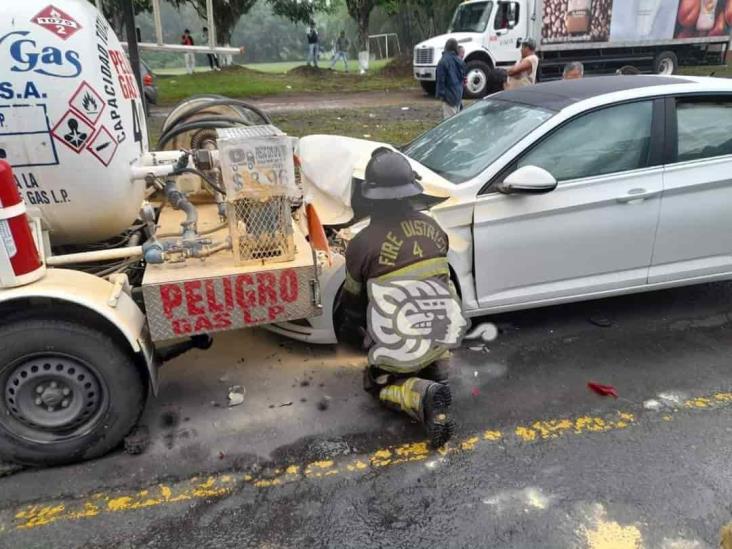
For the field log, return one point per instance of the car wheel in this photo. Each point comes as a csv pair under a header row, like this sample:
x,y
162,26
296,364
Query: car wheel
x,y
429,87
665,63
477,80
67,392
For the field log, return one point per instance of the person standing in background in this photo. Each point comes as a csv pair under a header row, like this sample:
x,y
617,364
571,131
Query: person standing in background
x,y
341,48
190,57
450,76
573,71
524,72
313,46
213,59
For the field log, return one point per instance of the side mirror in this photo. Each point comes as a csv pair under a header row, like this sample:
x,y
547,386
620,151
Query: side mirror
x,y
528,180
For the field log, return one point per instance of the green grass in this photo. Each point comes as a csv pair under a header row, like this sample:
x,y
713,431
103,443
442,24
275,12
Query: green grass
x,y
723,71
241,82
277,68
385,124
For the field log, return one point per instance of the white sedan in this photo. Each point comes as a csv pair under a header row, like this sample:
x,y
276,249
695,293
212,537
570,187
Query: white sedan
x,y
559,192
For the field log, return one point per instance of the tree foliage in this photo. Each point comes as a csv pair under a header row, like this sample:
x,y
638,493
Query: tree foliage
x,y
299,11
226,14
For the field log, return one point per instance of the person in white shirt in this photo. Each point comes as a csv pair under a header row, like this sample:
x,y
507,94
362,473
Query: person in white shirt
x,y
523,73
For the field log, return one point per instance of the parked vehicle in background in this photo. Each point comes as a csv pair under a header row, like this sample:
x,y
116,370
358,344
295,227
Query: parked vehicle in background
x,y
560,192
148,83
657,36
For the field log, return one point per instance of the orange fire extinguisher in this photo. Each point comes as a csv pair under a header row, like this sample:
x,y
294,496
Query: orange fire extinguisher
x,y
20,262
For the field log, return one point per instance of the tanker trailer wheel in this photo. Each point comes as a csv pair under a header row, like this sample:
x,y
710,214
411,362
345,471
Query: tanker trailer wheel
x,y
67,392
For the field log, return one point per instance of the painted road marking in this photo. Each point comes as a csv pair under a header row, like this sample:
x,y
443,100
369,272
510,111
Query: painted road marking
x,y
221,485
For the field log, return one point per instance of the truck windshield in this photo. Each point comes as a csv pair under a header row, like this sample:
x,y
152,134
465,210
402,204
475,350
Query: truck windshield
x,y
471,17
463,146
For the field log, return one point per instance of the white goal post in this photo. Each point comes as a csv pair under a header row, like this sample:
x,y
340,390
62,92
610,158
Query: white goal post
x,y
385,44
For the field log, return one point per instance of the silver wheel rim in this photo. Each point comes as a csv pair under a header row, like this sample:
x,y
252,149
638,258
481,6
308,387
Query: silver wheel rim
x,y
52,395
666,67
477,81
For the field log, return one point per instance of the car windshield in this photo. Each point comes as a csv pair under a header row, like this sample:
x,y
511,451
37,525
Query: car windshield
x,y
466,144
471,17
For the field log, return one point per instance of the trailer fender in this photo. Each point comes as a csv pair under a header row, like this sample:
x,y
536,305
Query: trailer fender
x,y
97,299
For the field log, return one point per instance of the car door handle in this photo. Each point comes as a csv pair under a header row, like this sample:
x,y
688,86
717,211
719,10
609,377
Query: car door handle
x,y
636,195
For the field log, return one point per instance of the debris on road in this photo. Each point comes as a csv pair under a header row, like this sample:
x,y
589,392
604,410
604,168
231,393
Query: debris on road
x,y
236,395
285,404
324,403
7,469
486,331
475,392
137,441
600,320
603,390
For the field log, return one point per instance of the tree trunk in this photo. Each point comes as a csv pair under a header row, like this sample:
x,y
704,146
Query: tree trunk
x,y
363,30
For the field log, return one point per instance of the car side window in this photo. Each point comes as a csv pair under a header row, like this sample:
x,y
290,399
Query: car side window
x,y
507,15
610,140
704,128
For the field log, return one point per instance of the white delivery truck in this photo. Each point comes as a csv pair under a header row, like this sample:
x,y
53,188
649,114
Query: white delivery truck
x,y
653,35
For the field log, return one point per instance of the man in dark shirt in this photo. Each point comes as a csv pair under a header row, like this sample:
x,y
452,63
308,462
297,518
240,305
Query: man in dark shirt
x,y
450,77
400,244
313,46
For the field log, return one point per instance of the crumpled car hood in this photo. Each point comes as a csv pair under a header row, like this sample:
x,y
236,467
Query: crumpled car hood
x,y
329,164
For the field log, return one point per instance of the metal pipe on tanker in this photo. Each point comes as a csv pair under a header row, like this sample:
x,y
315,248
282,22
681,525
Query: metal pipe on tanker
x,y
93,257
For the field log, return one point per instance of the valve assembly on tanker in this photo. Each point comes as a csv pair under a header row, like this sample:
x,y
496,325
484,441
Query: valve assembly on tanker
x,y
73,129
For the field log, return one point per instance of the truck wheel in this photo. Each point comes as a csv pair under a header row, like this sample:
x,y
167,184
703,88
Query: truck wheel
x,y
479,74
67,392
665,63
429,87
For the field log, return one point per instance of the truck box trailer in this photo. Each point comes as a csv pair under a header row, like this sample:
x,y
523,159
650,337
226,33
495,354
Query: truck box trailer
x,y
655,36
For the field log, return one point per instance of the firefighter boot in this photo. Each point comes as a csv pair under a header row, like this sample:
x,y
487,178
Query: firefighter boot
x,y
425,401
438,371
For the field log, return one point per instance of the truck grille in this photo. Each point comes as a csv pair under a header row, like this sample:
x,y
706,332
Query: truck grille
x,y
424,56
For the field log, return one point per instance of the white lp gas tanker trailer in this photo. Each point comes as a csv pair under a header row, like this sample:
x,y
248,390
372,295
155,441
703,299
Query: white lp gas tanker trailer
x,y
114,259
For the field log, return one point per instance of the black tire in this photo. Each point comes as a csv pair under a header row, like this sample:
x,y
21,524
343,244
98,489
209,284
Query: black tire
x,y
429,87
666,63
479,78
68,393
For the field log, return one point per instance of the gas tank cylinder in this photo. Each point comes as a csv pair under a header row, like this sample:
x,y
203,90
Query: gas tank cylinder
x,y
72,121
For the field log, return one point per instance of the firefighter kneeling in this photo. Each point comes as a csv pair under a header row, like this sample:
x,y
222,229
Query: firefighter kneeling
x,y
398,288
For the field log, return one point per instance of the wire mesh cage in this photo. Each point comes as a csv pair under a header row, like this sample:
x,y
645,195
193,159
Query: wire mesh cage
x,y
259,176
261,230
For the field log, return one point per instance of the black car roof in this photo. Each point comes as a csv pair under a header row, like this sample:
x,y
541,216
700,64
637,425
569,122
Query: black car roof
x,y
557,95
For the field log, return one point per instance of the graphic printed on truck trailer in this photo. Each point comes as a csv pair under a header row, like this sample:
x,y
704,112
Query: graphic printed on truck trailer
x,y
634,20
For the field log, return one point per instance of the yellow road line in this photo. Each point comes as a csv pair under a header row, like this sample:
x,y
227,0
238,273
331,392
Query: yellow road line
x,y
216,486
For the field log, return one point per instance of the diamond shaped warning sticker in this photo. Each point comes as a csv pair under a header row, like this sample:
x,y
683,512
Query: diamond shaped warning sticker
x,y
87,103
103,146
57,21
73,131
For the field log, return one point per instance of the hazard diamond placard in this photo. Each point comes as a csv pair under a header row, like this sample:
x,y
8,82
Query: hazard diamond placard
x,y
57,21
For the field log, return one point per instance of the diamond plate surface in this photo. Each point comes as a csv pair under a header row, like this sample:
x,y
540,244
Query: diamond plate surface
x,y
208,305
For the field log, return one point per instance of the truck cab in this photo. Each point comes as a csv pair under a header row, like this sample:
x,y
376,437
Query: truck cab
x,y
490,31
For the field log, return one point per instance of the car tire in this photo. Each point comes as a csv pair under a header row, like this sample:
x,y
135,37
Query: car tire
x,y
666,63
68,393
478,78
429,87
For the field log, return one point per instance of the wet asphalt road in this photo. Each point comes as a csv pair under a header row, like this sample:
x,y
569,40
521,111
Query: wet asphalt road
x,y
538,459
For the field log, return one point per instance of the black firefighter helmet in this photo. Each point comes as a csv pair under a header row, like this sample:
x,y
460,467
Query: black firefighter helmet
x,y
389,176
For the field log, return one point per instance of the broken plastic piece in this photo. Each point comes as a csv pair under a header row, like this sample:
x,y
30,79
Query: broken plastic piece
x,y
603,390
